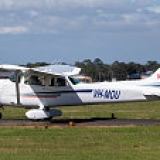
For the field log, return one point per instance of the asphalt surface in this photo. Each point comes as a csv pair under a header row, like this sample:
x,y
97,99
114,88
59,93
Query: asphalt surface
x,y
97,122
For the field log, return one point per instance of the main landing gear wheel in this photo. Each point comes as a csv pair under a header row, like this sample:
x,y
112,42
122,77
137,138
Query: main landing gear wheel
x,y
0,115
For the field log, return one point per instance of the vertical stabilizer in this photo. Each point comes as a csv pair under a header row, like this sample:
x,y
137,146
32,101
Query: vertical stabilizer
x,y
155,77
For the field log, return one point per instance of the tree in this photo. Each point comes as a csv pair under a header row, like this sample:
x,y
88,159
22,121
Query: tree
x,y
152,65
100,71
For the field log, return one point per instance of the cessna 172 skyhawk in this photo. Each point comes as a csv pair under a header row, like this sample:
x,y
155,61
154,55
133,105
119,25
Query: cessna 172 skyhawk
x,y
45,87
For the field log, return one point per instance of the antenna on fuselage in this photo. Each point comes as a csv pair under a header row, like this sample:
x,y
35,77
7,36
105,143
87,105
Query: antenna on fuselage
x,y
56,62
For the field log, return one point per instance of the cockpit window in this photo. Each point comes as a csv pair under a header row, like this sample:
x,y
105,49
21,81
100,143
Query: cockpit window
x,y
74,80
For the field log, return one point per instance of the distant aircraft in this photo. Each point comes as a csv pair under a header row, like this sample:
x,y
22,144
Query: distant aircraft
x,y
45,87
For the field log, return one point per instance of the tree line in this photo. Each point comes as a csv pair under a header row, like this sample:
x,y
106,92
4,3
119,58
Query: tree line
x,y
99,71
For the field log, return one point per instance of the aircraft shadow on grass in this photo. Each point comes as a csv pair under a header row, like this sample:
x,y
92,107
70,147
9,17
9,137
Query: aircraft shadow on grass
x,y
81,120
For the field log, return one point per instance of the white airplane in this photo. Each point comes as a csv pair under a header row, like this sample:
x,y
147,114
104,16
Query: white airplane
x,y
45,87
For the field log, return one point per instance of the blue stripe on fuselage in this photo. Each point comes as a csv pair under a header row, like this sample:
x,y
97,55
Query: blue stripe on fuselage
x,y
65,92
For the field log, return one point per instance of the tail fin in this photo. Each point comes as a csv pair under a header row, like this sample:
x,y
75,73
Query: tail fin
x,y
152,81
155,77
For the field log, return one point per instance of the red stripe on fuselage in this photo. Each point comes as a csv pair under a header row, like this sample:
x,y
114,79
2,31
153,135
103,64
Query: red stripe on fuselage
x,y
39,96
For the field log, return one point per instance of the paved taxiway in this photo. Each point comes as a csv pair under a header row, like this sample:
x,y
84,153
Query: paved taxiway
x,y
97,122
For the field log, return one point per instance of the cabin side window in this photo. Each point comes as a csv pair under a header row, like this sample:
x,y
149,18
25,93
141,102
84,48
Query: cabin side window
x,y
57,81
35,80
52,82
47,80
61,82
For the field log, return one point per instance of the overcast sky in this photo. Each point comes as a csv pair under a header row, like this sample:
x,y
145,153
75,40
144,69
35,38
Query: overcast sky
x,y
74,30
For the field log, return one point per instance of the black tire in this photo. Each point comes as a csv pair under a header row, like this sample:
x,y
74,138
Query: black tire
x,y
0,115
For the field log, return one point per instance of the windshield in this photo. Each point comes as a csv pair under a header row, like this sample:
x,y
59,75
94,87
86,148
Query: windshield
x,y
74,81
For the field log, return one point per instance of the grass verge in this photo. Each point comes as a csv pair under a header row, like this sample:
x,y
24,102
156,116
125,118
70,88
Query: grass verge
x,y
138,110
135,143
79,143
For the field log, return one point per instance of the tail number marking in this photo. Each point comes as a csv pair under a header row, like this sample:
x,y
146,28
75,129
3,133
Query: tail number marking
x,y
106,94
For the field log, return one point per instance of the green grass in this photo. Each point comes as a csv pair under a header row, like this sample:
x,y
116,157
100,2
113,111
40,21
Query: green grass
x,y
144,110
84,143
80,143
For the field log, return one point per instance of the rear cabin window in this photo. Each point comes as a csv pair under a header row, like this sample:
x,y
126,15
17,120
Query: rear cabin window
x,y
58,82
61,82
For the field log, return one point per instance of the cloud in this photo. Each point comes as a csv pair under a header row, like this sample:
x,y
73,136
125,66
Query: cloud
x,y
52,16
13,30
154,9
64,5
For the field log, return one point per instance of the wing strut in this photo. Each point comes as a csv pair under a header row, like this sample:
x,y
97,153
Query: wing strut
x,y
17,86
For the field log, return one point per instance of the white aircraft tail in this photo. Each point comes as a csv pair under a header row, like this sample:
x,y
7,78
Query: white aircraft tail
x,y
154,82
155,77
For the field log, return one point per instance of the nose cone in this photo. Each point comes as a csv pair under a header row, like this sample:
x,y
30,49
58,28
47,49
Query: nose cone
x,y
30,115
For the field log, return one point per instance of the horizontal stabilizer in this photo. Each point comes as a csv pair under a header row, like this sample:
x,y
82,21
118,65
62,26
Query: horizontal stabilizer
x,y
152,97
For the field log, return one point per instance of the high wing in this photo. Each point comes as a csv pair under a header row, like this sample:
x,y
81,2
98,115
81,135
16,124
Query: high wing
x,y
59,70
13,67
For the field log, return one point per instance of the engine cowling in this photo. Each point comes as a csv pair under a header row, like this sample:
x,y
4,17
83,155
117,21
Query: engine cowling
x,y
40,114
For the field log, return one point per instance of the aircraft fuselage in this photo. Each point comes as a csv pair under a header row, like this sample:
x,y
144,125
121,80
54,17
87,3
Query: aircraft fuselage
x,y
82,93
